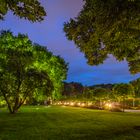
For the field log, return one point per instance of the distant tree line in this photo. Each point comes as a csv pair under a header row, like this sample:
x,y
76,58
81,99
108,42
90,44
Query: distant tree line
x,y
128,95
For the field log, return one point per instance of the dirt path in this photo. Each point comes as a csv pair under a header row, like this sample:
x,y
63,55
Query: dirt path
x,y
130,110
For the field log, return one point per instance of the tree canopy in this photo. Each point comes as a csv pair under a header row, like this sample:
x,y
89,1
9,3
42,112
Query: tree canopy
x,y
28,9
123,90
55,66
108,27
26,68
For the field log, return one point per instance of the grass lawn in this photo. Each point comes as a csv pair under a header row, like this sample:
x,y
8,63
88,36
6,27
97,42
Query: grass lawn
x,y
68,123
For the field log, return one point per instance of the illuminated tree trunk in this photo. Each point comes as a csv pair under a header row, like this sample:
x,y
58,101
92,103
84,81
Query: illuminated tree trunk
x,y
133,102
123,105
7,101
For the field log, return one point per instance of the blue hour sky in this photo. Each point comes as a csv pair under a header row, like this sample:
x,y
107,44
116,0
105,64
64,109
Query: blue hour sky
x,y
50,33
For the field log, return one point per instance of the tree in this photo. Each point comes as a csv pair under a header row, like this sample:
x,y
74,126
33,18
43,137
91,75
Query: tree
x,y
55,66
23,69
72,88
136,85
123,91
28,9
108,27
101,94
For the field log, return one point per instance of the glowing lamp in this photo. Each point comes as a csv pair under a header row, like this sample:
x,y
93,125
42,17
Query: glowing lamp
x,y
107,104
72,103
83,104
79,104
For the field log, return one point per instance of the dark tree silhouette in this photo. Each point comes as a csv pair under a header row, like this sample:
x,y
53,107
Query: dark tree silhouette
x,y
108,27
28,9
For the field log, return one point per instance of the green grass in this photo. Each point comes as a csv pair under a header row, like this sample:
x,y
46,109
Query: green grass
x,y
68,123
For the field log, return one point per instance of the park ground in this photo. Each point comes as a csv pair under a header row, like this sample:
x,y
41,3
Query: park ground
x,y
68,123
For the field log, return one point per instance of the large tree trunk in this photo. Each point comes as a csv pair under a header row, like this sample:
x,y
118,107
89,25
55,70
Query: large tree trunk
x,y
14,111
18,104
7,101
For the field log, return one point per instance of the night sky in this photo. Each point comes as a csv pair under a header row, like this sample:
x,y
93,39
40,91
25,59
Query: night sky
x,y
50,33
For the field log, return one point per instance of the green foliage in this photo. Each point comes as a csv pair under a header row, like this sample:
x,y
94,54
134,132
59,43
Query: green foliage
x,y
2,102
27,69
108,27
136,85
55,66
78,93
123,90
28,9
72,88
100,95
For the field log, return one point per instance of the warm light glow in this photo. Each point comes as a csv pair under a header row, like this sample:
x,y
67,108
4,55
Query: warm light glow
x,y
108,105
79,104
68,103
83,104
71,103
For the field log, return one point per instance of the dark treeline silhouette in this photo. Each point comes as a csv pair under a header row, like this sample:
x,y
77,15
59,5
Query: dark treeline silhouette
x,y
74,88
